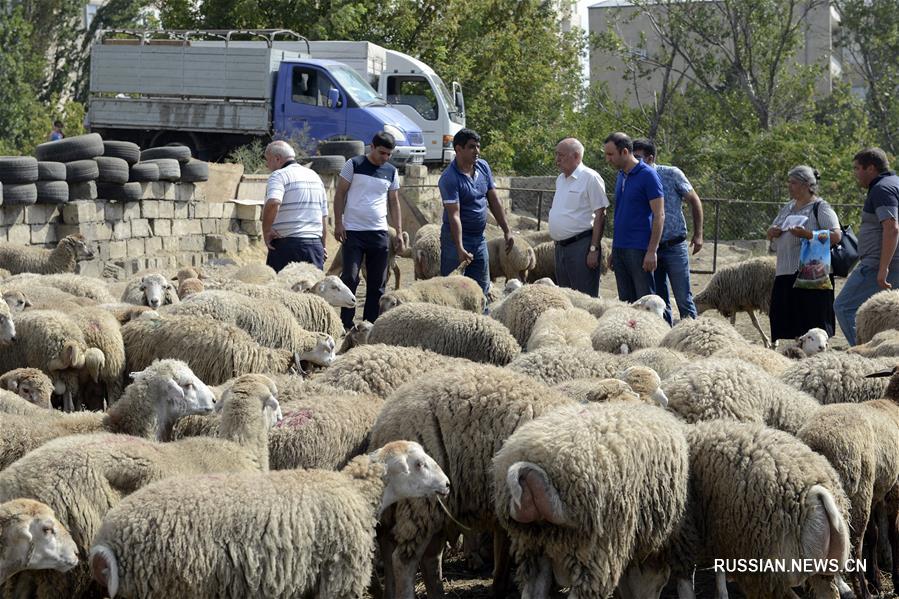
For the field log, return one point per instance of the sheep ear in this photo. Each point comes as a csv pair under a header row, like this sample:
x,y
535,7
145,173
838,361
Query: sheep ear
x,y
12,385
174,392
534,498
27,303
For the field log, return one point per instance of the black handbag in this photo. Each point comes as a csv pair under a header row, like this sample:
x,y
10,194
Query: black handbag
x,y
843,255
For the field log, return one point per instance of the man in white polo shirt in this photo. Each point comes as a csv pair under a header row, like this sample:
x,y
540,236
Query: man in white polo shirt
x,y
576,219
295,215
366,194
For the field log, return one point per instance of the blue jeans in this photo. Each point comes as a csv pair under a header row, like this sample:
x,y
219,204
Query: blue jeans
x,y
674,265
296,249
633,282
479,269
572,270
372,247
861,284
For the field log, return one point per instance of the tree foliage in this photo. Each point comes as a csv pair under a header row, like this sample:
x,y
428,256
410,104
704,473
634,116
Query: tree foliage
x,y
22,117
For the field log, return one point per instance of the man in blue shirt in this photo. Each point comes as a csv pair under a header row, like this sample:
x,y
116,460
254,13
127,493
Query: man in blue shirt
x,y
639,219
467,189
878,238
673,255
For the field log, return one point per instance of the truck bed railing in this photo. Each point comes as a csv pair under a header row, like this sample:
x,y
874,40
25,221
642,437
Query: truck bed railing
x,y
145,36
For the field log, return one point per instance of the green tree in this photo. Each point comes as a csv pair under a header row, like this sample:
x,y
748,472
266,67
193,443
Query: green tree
x,y
23,119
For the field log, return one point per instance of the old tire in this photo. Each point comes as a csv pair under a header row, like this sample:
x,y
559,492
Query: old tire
x,y
128,192
112,170
169,168
70,149
52,192
19,194
143,172
194,171
179,153
80,171
18,169
346,148
327,165
51,171
127,151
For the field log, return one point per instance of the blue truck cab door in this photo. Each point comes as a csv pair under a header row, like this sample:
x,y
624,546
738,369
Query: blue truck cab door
x,y
306,97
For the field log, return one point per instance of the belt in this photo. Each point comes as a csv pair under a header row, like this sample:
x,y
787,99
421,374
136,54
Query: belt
x,y
577,237
671,242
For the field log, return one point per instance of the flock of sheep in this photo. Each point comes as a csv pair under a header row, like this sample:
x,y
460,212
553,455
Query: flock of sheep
x,y
216,433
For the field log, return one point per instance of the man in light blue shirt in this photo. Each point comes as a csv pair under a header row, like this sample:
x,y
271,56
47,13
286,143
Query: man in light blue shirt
x,y
673,256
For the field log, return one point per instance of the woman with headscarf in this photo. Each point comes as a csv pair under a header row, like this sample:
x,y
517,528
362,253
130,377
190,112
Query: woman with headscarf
x,y
795,311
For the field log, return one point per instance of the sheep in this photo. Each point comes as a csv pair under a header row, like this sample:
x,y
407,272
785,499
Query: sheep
x,y
255,272
646,383
772,362
215,351
102,331
177,538
268,323
303,277
584,491
7,328
884,344
29,383
562,327
152,290
661,359
188,287
553,365
860,441
878,313
454,291
742,287
336,267
18,259
33,539
379,369
651,303
812,342
4,274
448,331
701,336
623,330
837,377
356,336
520,310
545,262
80,286
16,300
513,263
758,492
82,477
11,403
510,286
305,274
736,390
593,390
426,252
126,312
461,417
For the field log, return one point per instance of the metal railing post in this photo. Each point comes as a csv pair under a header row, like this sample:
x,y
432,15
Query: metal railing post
x,y
539,208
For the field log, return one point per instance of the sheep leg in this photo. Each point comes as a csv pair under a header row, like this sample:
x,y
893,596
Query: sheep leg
x,y
67,402
431,566
404,571
721,585
843,588
502,563
387,547
864,548
396,273
872,536
893,533
685,589
758,327
539,583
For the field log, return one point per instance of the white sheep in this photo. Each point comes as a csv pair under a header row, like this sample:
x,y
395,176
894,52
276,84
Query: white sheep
x,y
661,359
32,384
562,327
773,362
586,490
651,303
178,537
519,311
553,365
152,290
426,252
702,336
17,300
7,326
454,291
510,286
623,330
813,341
80,286
838,377
742,287
18,259
514,263
884,344
879,312
255,272
448,331
33,539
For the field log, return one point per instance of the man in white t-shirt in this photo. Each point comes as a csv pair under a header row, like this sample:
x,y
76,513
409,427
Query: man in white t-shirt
x,y
366,194
295,214
576,219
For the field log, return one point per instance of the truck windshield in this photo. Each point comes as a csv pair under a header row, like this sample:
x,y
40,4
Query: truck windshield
x,y
454,114
356,87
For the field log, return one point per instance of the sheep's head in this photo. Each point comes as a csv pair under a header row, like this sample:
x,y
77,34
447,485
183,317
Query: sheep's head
x,y
545,281
512,285
410,472
176,389
321,354
7,329
30,384
79,246
16,300
155,288
357,335
189,287
335,292
256,386
814,341
651,303
388,301
646,382
608,390
33,539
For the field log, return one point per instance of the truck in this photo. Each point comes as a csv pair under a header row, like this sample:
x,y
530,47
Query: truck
x,y
213,92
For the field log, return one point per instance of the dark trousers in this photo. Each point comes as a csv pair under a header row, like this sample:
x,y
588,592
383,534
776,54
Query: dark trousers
x,y
296,249
633,282
795,311
373,247
478,269
572,270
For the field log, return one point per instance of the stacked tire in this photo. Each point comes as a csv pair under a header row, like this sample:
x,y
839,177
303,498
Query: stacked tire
x,y
18,175
113,182
175,164
52,187
77,153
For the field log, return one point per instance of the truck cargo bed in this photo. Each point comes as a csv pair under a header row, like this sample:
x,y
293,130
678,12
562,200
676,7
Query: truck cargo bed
x,y
176,114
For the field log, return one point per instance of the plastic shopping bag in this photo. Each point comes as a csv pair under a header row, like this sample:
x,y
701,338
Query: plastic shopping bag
x,y
814,262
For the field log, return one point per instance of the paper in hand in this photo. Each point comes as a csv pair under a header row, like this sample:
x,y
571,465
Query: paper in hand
x,y
794,220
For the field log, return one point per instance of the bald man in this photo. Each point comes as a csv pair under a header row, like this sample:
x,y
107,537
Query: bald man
x,y
576,219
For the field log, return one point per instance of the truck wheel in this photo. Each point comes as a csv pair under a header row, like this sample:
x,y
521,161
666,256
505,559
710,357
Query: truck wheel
x,y
169,169
79,171
112,170
127,151
347,149
143,172
194,171
19,194
70,149
128,192
52,192
51,171
18,169
327,165
179,153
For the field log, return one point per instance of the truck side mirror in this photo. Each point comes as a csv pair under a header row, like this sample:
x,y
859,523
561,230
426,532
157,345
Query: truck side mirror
x,y
458,98
333,98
